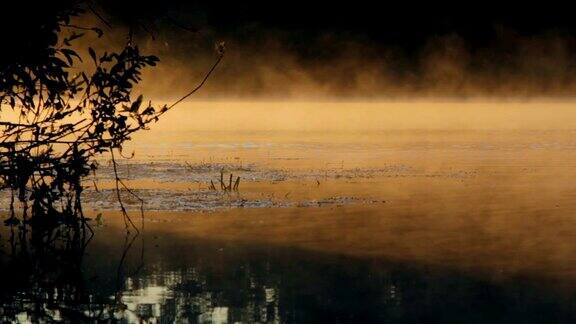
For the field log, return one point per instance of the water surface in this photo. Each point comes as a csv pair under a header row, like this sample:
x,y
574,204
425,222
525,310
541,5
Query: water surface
x,y
347,212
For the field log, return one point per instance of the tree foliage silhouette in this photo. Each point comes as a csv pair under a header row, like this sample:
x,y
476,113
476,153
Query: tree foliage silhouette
x,y
64,116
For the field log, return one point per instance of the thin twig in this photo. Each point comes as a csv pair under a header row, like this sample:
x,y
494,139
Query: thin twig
x,y
220,56
118,182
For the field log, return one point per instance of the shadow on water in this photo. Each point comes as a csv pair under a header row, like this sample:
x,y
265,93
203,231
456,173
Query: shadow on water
x,y
42,276
67,275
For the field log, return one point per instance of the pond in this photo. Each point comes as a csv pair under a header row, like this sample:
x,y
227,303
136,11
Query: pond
x,y
345,212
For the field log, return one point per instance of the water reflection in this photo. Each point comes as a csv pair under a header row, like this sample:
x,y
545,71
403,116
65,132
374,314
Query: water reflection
x,y
184,296
66,275
41,275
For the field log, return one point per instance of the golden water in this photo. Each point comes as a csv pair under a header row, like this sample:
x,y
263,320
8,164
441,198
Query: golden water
x,y
454,212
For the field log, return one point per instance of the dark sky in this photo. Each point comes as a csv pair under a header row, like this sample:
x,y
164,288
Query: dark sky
x,y
464,47
516,47
405,23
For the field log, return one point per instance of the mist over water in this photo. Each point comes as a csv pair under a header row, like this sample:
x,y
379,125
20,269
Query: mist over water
x,y
276,64
511,67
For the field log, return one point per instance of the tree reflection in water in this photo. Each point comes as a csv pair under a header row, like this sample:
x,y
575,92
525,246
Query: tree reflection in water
x,y
43,281
42,276
65,274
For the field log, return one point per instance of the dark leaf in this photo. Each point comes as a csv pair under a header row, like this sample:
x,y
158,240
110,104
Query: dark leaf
x,y
92,54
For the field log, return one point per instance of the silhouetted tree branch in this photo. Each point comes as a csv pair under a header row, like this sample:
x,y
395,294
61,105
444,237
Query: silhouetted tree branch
x,y
64,117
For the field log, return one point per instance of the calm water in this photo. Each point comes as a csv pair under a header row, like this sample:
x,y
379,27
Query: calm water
x,y
183,279
347,213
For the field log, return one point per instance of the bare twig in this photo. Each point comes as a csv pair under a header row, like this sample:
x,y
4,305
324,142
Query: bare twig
x,y
118,182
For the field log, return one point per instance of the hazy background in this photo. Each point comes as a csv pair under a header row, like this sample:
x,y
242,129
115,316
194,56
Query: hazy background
x,y
325,50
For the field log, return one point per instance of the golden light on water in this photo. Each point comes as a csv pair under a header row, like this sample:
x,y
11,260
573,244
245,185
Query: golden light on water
x,y
481,188
438,183
229,116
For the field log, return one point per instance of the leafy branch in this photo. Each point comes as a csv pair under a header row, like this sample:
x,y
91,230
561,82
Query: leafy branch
x,y
64,119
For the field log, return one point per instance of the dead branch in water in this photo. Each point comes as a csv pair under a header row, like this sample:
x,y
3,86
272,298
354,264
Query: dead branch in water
x,y
231,186
228,187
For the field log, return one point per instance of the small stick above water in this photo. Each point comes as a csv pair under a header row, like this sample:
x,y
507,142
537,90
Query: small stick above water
x,y
222,185
236,184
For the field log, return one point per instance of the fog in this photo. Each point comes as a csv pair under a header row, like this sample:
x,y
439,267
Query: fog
x,y
276,64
